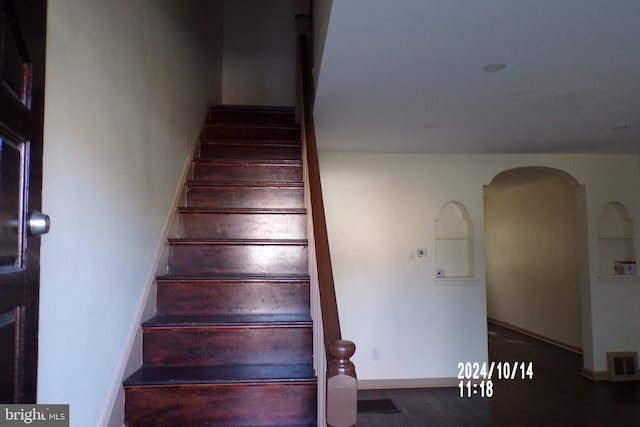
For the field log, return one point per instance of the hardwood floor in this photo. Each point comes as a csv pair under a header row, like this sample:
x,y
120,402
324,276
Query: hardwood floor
x,y
556,396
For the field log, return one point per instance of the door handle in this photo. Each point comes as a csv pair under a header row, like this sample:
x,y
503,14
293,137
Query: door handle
x,y
38,223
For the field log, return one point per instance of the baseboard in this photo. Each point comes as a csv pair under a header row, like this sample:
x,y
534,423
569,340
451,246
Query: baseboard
x,y
595,375
115,405
407,383
535,335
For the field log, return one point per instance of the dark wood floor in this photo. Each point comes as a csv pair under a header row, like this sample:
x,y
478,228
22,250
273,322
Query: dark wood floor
x,y
556,396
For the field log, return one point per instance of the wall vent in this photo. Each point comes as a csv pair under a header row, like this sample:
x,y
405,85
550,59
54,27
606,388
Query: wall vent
x,y
623,366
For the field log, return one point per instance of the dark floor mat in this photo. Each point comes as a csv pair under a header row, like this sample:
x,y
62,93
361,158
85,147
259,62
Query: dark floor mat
x,y
377,406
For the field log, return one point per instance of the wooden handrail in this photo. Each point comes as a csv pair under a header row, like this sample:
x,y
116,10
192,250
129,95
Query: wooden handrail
x,y
331,321
341,388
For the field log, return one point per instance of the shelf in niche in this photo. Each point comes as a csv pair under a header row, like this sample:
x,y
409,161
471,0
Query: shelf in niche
x,y
454,241
616,240
454,238
456,280
619,277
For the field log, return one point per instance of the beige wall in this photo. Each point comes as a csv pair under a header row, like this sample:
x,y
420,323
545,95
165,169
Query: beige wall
x,y
381,206
260,51
532,255
127,85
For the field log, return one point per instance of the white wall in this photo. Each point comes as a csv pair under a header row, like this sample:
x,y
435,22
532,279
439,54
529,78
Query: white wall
x,y
127,86
260,51
531,244
321,14
379,206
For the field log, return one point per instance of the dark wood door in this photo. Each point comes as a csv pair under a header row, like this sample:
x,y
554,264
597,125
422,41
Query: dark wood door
x,y
22,49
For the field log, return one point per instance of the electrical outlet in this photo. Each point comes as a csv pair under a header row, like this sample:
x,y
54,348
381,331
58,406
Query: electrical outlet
x,y
421,252
375,354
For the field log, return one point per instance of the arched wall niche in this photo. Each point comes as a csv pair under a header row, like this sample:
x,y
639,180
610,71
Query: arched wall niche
x,y
454,241
616,240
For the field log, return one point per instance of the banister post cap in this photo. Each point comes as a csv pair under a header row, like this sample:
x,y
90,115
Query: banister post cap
x,y
342,349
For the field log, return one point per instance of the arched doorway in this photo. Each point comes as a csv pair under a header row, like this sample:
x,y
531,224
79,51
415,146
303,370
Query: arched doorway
x,y
534,246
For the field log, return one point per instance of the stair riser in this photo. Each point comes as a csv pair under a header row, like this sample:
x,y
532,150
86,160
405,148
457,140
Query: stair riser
x,y
246,172
266,117
245,197
220,151
242,226
222,405
232,298
209,346
238,259
266,133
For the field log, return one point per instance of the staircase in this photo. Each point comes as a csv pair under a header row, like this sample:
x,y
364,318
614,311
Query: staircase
x,y
231,343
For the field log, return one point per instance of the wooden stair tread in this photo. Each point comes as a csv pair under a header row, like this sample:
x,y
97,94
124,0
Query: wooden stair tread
x,y
240,162
246,149
211,140
251,132
225,374
229,168
250,115
251,125
275,242
242,107
257,320
247,194
231,277
198,183
186,209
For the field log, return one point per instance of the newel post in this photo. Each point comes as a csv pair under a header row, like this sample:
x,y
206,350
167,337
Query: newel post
x,y
342,385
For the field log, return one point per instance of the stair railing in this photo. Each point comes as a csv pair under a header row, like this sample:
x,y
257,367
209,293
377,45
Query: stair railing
x,y
337,383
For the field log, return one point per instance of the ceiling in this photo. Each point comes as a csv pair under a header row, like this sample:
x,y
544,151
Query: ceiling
x,y
408,76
